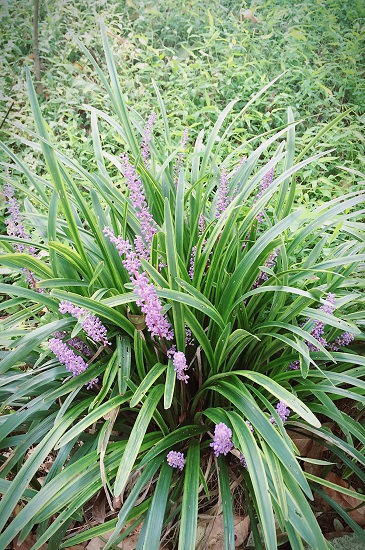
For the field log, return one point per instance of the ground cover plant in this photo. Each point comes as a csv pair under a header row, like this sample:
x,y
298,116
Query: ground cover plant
x,y
174,314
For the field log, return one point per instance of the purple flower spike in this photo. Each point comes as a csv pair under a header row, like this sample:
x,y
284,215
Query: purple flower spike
x,y
180,366
176,460
73,363
344,340
92,383
91,324
95,329
201,224
189,338
243,461
249,425
79,345
15,228
222,441
146,143
319,326
147,299
270,262
283,412
138,200
223,189
14,223
265,183
192,263
66,307
295,365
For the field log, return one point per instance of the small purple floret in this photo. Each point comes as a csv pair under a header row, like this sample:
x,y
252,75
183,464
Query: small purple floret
x,y
243,461
295,365
283,412
344,339
180,366
222,441
176,460
92,383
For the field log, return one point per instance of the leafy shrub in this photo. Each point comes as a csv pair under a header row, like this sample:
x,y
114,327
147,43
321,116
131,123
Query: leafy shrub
x,y
197,310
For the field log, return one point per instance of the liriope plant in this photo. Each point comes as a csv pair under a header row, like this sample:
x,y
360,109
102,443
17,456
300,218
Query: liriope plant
x,y
171,316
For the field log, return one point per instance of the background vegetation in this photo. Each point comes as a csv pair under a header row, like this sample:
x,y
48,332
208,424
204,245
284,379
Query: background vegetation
x,y
201,58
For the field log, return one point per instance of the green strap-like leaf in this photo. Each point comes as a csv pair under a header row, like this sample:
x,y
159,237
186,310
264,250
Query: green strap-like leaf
x,y
142,481
136,437
227,504
189,508
93,417
147,382
30,467
169,385
256,470
156,512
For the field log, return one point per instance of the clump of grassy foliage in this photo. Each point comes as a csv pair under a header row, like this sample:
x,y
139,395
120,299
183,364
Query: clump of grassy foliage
x,y
273,286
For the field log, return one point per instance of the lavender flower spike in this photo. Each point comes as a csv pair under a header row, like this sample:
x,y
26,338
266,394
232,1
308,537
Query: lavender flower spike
x,y
264,184
138,200
176,460
147,300
283,412
343,340
270,262
66,307
319,326
91,324
146,152
222,441
95,329
180,366
73,363
295,365
14,223
243,461
201,224
15,228
222,201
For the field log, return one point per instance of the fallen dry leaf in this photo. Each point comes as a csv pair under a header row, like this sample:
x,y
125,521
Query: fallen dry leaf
x,y
248,16
215,537
241,529
129,543
346,501
308,448
27,543
98,508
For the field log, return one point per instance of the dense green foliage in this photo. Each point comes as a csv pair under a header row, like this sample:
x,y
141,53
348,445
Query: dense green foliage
x,y
276,283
